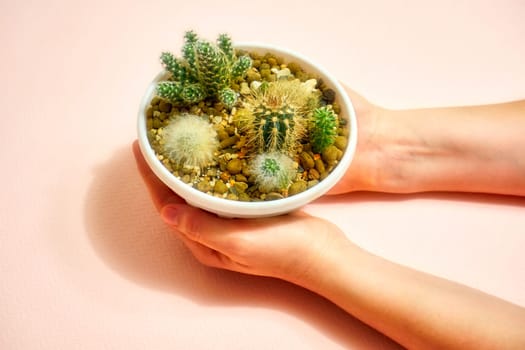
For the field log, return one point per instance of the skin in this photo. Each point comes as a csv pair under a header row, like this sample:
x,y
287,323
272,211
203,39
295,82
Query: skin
x,y
481,150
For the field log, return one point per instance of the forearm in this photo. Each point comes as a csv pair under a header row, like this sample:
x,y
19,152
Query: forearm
x,y
418,310
467,149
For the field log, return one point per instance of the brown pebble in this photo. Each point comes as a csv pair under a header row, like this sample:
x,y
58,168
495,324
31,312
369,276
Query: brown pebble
x,y
221,133
330,154
149,112
307,161
294,67
240,187
297,187
157,123
241,178
220,187
234,166
232,196
165,106
204,186
319,165
230,141
273,196
313,174
329,96
341,142
244,197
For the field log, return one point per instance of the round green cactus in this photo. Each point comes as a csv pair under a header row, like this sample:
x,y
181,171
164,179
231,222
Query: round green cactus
x,y
273,171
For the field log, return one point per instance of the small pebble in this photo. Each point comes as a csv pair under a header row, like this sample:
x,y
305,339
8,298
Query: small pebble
x,y
273,196
222,134
241,178
232,196
245,89
240,187
297,187
234,166
244,197
306,160
204,186
319,165
220,187
230,141
341,142
330,154
294,67
313,174
149,112
165,106
329,96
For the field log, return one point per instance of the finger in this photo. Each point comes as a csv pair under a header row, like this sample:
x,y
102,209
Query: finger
x,y
159,192
198,225
202,253
210,257
223,235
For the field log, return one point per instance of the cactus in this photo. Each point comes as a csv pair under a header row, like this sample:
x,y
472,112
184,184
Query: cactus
x,y
277,116
273,171
205,70
190,140
323,128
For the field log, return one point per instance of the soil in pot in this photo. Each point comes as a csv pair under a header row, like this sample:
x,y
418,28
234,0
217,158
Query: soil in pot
x,y
228,164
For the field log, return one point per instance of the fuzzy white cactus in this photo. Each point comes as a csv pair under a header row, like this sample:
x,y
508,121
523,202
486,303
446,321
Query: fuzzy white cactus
x,y
190,140
273,171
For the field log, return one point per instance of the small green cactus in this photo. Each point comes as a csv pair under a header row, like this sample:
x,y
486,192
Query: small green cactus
x,y
323,128
277,116
205,70
189,140
273,171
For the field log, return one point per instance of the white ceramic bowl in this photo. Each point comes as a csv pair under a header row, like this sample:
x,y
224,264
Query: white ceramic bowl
x,y
238,209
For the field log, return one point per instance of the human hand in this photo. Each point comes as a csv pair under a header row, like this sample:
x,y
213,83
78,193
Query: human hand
x,y
294,247
362,175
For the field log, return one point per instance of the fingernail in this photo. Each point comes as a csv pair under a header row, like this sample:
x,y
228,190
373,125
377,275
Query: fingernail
x,y
170,215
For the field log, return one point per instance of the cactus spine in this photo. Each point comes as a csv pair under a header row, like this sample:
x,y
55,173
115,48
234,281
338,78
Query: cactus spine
x,y
277,116
205,70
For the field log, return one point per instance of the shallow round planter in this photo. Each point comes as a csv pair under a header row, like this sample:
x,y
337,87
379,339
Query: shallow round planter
x,y
239,209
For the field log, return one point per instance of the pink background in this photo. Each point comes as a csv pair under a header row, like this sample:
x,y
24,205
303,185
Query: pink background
x,y
85,262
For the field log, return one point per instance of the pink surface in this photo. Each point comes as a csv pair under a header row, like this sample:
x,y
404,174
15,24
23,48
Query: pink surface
x,y
86,263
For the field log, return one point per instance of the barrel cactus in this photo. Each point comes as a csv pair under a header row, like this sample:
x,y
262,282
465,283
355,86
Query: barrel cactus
x,y
277,116
206,69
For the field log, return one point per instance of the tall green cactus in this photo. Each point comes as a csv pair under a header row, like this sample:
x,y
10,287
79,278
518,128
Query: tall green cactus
x,y
205,70
323,128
